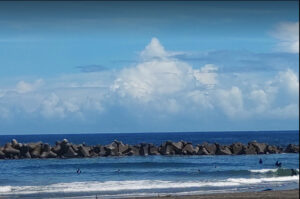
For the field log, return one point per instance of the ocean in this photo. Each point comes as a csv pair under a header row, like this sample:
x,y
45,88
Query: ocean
x,y
119,177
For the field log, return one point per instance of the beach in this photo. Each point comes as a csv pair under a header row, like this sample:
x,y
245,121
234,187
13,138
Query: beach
x,y
149,99
288,194
279,194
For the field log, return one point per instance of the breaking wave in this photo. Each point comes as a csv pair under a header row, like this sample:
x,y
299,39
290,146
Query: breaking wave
x,y
130,185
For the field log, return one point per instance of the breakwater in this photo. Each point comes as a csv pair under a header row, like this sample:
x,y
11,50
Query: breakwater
x,y
66,149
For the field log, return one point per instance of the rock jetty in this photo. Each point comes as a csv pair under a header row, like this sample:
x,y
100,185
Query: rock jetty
x,y
66,149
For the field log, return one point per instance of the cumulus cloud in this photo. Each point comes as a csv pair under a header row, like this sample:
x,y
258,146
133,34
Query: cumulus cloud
x,y
160,87
207,75
159,80
153,78
70,102
288,35
289,81
155,50
278,97
231,101
289,111
260,100
51,107
24,87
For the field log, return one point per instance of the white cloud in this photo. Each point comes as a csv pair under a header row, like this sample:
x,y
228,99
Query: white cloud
x,y
155,50
25,87
72,102
231,102
289,111
260,99
289,81
52,107
278,97
152,78
207,75
288,35
158,86
202,101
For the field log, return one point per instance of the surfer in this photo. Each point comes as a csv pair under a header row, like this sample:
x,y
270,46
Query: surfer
x,y
78,171
260,161
278,164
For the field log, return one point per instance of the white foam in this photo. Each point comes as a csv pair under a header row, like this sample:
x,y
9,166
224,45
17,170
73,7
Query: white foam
x,y
4,189
113,186
264,180
263,170
95,186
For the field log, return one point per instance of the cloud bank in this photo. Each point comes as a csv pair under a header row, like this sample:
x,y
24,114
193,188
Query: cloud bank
x,y
160,92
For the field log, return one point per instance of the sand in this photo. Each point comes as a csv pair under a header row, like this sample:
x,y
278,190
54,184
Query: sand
x,y
290,194
284,194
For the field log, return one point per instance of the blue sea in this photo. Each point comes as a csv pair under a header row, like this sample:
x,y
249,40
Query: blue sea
x,y
119,177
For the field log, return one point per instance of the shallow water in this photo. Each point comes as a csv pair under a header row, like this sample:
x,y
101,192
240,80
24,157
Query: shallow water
x,y
146,175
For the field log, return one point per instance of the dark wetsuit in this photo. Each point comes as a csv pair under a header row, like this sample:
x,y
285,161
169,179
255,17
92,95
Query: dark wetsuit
x,y
278,164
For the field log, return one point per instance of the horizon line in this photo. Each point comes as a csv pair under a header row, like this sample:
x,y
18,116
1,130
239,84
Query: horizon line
x,y
227,131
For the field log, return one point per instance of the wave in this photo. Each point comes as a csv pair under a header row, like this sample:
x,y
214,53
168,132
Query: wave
x,y
263,170
277,172
264,180
168,171
4,189
116,186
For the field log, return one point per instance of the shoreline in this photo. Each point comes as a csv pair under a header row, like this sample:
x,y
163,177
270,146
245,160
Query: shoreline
x,y
268,194
272,194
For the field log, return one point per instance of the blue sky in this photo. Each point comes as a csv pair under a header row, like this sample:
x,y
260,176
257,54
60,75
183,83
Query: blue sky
x,y
77,67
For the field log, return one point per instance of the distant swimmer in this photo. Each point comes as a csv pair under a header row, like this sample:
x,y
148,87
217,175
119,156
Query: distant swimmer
x,y
278,164
260,161
78,171
198,170
268,189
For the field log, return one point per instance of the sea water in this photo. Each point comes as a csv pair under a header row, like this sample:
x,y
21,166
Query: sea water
x,y
117,177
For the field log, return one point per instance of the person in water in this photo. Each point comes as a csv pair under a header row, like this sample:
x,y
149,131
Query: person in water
x,y
278,164
260,161
78,171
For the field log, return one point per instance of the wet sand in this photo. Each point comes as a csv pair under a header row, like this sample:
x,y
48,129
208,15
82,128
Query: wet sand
x,y
289,194
284,194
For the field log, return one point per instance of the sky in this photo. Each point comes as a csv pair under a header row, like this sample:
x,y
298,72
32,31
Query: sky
x,y
101,67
